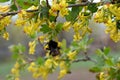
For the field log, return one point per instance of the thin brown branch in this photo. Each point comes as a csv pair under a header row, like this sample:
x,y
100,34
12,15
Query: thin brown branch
x,y
77,5
47,3
15,12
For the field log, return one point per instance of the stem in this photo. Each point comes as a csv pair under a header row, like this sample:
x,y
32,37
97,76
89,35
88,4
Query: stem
x,y
47,3
77,5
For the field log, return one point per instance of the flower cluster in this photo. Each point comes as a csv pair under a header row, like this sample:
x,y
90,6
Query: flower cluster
x,y
109,15
32,46
59,6
42,70
81,26
3,24
16,71
4,9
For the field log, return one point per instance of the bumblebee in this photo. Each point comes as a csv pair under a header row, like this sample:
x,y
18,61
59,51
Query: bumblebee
x,y
53,47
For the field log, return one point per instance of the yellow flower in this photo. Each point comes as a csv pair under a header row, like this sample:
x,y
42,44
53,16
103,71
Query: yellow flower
x,y
63,8
20,22
17,65
51,25
115,10
33,8
66,26
62,73
36,75
101,76
54,9
63,4
99,16
4,9
63,65
32,46
72,55
4,22
77,37
63,12
6,35
48,63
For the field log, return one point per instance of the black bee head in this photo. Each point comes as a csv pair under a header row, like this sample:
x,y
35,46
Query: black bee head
x,y
53,47
52,44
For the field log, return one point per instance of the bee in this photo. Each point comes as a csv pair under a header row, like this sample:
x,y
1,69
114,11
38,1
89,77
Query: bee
x,y
53,47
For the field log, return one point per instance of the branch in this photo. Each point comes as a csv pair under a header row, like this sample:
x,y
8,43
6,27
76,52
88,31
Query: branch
x,y
47,3
77,5
14,13
2,15
87,58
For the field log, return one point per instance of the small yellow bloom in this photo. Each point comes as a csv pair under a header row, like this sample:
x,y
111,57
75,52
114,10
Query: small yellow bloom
x,y
48,63
51,25
63,65
6,35
77,37
72,55
66,26
101,76
62,73
32,46
17,65
4,9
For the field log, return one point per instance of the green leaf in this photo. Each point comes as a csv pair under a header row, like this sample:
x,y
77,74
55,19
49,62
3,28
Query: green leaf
x,y
73,13
52,18
95,69
106,50
63,46
58,27
44,12
92,7
27,3
4,1
16,50
15,55
99,52
40,60
45,28
109,62
13,7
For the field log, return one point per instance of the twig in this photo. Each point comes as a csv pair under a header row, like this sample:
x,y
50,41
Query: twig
x,y
77,5
15,12
47,3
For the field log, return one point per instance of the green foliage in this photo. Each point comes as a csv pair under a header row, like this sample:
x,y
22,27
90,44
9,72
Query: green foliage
x,y
40,61
58,28
27,3
44,12
107,64
13,7
4,0
45,29
93,8
17,50
73,13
